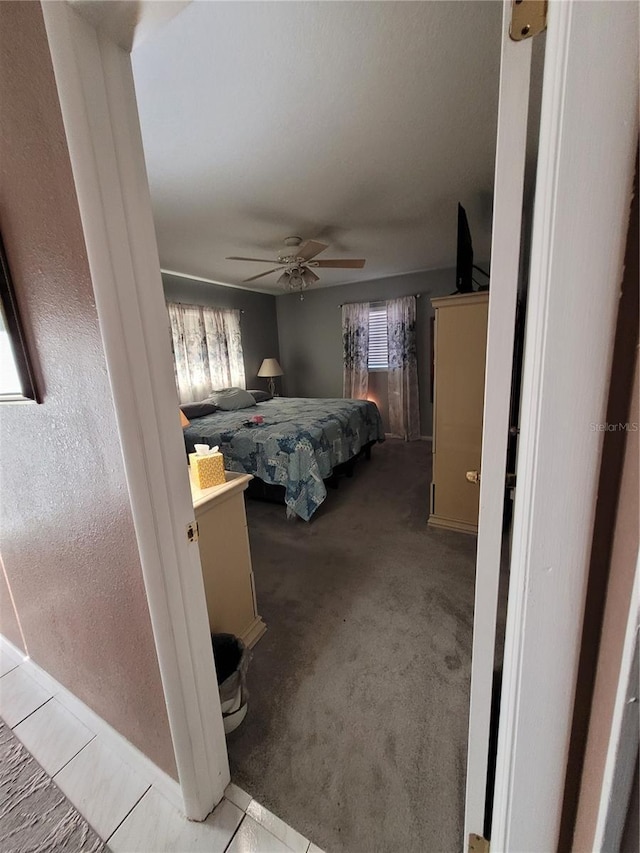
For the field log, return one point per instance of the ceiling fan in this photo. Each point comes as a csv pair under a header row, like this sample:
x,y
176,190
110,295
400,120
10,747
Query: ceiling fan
x,y
296,258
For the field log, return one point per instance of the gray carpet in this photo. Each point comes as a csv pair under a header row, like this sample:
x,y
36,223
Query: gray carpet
x,y
357,724
35,817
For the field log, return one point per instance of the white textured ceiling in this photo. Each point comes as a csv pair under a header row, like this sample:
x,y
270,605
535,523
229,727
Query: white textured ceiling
x,y
128,22
357,123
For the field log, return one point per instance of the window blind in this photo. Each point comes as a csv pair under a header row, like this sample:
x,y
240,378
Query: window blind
x,y
378,358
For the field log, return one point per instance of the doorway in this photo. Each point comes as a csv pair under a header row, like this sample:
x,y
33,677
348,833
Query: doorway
x,y
368,610
588,401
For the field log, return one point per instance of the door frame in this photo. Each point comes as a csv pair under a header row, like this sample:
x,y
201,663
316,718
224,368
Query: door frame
x,y
506,239
587,149
550,560
97,97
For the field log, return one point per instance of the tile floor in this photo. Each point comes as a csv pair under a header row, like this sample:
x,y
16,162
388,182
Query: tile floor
x,y
125,811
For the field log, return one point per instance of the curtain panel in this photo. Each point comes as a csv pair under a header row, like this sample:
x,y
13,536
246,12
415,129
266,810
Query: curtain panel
x,y
404,409
207,350
355,343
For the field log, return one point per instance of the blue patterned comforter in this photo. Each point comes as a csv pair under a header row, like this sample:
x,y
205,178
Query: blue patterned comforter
x,y
297,446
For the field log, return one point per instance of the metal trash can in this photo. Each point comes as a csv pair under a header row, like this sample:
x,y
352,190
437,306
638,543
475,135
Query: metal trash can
x,y
232,661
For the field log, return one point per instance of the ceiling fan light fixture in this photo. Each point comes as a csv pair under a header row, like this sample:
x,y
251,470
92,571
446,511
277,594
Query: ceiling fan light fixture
x,y
294,279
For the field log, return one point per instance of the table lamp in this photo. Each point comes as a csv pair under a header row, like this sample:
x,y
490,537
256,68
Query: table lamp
x,y
270,368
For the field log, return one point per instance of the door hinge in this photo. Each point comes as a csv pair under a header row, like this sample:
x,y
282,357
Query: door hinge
x,y
192,532
477,844
528,19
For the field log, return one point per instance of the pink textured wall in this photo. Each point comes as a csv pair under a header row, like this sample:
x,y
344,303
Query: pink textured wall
x,y
619,594
67,536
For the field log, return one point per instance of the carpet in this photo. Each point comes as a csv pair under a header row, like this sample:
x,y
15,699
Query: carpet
x,y
35,817
357,725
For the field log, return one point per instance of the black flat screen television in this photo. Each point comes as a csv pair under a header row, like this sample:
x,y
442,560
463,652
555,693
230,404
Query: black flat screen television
x,y
464,262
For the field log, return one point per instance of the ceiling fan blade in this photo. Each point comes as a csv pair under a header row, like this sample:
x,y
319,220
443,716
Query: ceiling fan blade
x,y
260,260
346,264
254,277
309,276
310,249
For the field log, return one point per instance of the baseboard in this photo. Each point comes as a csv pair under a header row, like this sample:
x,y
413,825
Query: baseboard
x,y
112,739
253,632
422,437
451,524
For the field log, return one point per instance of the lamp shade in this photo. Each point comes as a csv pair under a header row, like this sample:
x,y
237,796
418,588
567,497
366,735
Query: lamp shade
x,y
270,367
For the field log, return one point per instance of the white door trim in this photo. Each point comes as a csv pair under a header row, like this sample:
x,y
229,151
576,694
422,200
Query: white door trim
x,y
511,145
588,139
97,98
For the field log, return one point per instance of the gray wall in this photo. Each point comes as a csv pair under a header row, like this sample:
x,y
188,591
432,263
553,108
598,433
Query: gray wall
x,y
311,336
259,323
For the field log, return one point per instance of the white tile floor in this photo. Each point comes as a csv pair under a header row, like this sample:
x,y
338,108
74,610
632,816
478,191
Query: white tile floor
x,y
125,811
20,696
154,825
54,735
292,839
8,661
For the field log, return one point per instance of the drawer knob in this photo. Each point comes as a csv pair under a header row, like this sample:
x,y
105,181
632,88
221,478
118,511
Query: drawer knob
x,y
473,476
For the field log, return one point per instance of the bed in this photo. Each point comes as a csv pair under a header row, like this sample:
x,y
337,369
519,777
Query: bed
x,y
299,445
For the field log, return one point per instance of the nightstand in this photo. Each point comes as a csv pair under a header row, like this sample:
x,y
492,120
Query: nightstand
x,y
225,556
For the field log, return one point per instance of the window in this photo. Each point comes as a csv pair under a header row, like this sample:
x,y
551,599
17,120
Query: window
x,y
378,358
207,349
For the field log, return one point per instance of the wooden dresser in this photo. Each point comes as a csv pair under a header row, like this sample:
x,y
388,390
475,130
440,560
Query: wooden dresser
x,y
460,344
226,558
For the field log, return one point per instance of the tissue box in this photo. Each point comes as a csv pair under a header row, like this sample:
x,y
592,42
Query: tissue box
x,y
207,470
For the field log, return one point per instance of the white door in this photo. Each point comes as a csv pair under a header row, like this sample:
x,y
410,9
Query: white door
x,y
515,66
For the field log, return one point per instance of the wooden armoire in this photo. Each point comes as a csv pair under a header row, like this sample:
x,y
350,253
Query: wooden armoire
x,y
460,342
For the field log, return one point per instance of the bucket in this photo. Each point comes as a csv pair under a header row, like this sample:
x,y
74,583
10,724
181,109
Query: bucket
x,y
232,661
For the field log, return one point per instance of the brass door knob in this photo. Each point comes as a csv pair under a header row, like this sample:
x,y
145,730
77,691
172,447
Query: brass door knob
x,y
473,476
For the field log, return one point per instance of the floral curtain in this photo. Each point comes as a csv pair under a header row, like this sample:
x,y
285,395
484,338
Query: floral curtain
x,y
355,343
207,350
404,411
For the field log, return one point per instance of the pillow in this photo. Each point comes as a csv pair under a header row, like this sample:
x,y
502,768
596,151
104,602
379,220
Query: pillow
x,y
261,396
232,399
198,410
